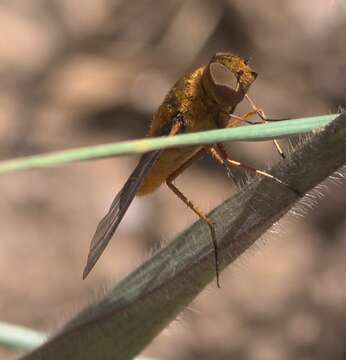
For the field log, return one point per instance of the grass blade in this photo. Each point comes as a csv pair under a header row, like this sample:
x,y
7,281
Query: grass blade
x,y
135,311
19,337
245,133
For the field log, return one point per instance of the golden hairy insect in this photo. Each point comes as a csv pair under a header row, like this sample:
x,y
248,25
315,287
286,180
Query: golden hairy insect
x,y
202,100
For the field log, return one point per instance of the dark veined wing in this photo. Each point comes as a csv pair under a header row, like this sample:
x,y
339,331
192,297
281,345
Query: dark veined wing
x,y
117,210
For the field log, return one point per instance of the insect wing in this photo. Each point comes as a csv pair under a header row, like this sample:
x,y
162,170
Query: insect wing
x,y
118,208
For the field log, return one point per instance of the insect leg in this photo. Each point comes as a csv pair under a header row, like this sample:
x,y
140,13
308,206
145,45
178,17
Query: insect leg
x,y
220,155
193,207
263,117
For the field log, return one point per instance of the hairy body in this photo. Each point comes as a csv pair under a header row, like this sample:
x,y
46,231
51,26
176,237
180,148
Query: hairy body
x,y
189,96
201,100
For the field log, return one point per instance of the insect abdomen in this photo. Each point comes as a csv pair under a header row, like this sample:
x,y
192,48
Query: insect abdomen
x,y
169,161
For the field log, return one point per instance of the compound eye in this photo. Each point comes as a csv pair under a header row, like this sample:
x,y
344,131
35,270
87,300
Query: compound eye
x,y
224,85
223,77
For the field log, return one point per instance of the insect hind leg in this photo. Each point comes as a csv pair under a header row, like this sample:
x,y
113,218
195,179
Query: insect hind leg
x,y
194,208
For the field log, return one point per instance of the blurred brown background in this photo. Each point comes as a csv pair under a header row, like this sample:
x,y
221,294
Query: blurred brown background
x,y
84,73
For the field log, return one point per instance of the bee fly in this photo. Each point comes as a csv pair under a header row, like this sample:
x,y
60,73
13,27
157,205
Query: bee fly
x,y
204,99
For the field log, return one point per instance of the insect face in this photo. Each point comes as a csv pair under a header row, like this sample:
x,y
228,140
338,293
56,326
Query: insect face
x,y
227,78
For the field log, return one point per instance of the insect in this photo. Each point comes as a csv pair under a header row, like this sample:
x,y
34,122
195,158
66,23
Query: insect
x,y
204,99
